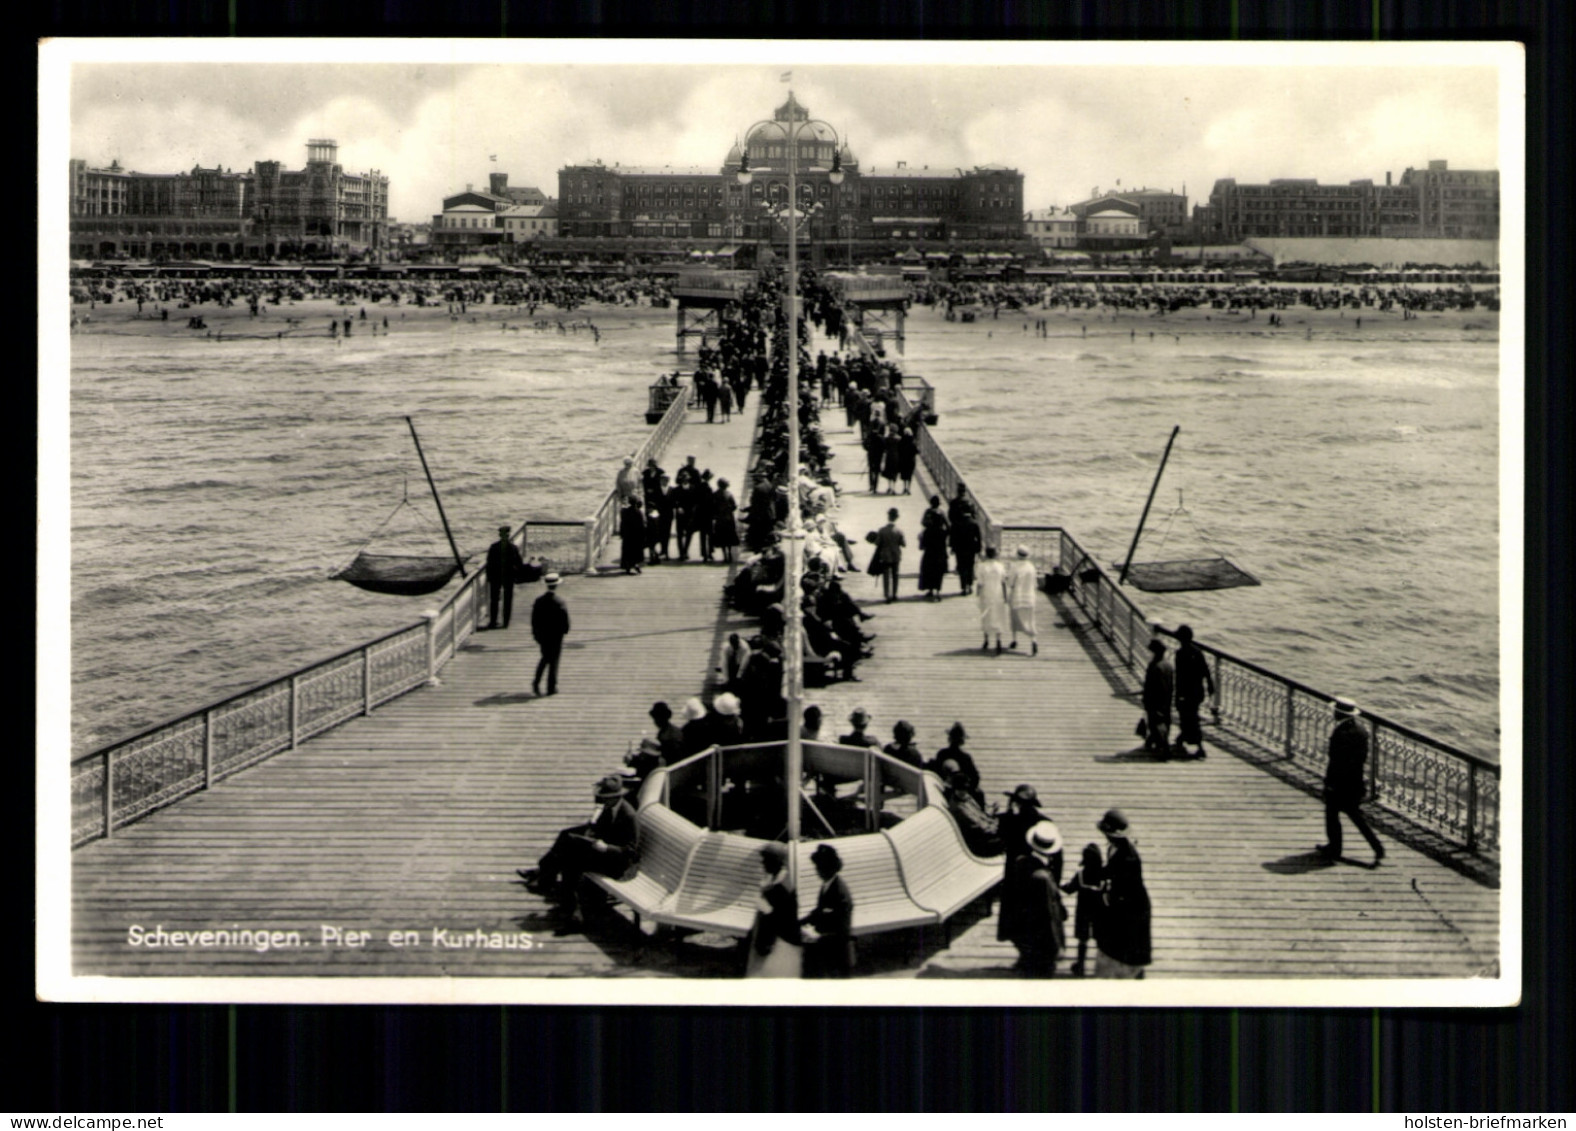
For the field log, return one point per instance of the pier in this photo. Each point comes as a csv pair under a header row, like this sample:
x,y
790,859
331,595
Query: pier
x,y
387,844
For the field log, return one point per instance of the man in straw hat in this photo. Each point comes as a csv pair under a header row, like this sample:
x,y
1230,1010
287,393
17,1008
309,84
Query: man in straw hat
x,y
831,953
604,845
1345,785
549,626
1032,916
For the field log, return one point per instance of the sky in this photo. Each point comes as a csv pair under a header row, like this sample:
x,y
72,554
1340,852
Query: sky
x,y
1071,118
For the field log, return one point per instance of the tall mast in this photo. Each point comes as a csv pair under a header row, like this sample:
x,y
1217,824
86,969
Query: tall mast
x,y
447,532
1144,517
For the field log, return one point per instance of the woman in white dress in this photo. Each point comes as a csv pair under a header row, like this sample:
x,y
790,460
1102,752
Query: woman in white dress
x,y
776,948
991,590
1023,581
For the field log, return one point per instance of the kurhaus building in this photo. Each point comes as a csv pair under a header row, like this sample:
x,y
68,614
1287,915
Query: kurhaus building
x,y
904,202
218,213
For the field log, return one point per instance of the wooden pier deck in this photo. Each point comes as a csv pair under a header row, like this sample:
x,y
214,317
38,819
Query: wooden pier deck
x,y
415,818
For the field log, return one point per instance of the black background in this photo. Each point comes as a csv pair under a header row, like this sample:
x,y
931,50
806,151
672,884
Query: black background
x,y
143,1059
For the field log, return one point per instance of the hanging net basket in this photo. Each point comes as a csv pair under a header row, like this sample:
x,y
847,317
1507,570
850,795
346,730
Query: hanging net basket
x,y
1186,576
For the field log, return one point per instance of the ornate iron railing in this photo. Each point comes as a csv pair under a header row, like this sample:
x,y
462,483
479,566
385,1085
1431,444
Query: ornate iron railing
x,y
119,783
1450,792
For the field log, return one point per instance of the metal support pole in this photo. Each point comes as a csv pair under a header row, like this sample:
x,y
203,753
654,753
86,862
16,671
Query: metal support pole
x,y
591,547
1291,718
366,681
295,711
793,645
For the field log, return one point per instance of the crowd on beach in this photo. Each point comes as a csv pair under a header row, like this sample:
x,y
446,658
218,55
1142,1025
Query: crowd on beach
x,y
527,292
1158,299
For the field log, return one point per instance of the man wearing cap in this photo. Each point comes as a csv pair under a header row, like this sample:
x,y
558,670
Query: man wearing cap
x,y
981,831
549,626
1023,813
1345,785
831,953
1193,680
604,846
504,565
860,719
1022,581
1032,916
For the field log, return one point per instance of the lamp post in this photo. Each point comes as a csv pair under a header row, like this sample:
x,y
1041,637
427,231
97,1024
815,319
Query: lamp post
x,y
793,554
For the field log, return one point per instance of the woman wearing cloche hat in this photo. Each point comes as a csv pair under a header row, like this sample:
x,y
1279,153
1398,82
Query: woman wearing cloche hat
x,y
1122,930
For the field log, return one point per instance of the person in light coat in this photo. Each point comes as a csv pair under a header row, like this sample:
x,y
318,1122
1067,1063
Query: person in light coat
x,y
990,586
1023,580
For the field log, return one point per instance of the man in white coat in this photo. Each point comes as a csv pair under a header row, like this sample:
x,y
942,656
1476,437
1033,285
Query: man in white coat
x,y
991,590
1022,583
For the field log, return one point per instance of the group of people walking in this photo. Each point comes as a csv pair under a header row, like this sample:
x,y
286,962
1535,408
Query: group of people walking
x,y
662,523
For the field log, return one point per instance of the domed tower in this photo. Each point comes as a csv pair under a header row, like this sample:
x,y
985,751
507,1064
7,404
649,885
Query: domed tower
x,y
766,147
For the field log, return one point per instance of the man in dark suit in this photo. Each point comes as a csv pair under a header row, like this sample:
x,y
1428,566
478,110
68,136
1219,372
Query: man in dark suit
x,y
504,566
1344,782
603,846
549,625
831,952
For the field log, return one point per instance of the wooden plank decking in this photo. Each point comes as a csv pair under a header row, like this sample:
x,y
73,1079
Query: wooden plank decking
x,y
416,817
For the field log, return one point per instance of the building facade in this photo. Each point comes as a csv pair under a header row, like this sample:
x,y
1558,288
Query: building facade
x,y
1435,202
908,203
1162,212
219,213
1052,227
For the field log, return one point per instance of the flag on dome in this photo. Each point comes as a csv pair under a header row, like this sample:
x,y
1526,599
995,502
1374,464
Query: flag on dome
x,y
787,76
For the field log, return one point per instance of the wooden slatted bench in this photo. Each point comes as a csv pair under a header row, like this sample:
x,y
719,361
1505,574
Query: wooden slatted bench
x,y
874,879
914,874
940,873
665,845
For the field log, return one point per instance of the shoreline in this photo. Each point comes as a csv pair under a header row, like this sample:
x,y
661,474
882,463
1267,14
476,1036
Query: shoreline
x,y
309,317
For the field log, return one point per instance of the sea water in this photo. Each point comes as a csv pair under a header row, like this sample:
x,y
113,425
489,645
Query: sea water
x,y
1354,472
215,485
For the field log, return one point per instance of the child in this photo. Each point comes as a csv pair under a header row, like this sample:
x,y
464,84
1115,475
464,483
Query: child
x,y
1089,884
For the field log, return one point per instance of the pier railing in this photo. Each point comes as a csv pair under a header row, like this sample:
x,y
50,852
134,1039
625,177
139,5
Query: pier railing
x,y
603,525
1448,791
128,779
119,783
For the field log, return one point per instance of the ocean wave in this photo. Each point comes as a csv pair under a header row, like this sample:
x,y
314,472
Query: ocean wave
x,y
189,485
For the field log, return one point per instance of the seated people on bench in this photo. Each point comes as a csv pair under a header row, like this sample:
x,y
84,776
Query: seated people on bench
x,y
642,760
902,745
605,846
979,828
954,752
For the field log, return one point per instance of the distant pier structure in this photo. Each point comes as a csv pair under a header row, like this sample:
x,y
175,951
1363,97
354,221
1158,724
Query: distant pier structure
x,y
880,303
701,296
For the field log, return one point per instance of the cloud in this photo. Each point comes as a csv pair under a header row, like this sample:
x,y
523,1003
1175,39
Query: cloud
x,y
433,126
